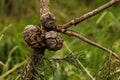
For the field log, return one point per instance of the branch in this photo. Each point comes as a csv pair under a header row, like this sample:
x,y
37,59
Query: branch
x,y
44,6
89,14
44,14
89,42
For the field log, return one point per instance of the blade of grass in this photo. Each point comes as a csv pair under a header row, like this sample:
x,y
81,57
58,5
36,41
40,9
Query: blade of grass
x,y
9,59
1,37
10,53
6,65
13,69
114,18
2,64
6,27
101,17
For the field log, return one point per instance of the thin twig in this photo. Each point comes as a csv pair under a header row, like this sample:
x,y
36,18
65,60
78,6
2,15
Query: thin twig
x,y
90,42
11,70
89,14
80,64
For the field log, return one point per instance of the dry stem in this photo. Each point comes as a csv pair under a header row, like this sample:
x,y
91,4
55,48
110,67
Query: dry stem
x,y
90,42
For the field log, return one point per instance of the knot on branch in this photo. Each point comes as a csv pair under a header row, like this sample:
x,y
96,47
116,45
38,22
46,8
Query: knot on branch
x,y
32,36
53,40
48,21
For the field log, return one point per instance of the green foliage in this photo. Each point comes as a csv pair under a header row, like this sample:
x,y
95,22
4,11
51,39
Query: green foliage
x,y
53,68
103,29
110,71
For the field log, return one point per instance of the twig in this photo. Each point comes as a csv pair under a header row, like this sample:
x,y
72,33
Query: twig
x,y
90,42
89,14
11,70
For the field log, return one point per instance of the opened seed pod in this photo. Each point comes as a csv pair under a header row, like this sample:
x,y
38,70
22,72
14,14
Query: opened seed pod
x,y
48,21
32,36
53,40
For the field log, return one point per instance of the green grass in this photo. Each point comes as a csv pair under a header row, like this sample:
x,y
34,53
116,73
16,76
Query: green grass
x,y
103,28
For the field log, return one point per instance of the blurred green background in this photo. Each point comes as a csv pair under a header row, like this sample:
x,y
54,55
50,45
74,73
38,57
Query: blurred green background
x,y
103,28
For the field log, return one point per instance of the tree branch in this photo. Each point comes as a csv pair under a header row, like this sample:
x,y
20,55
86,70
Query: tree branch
x,y
89,14
89,42
44,6
45,15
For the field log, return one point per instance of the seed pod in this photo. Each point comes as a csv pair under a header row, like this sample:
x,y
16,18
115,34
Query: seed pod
x,y
53,40
32,36
48,21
